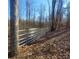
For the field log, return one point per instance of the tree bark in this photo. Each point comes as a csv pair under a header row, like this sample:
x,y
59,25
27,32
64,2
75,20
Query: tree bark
x,y
13,28
53,10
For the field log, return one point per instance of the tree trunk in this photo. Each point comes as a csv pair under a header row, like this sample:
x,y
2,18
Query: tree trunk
x,y
13,28
53,10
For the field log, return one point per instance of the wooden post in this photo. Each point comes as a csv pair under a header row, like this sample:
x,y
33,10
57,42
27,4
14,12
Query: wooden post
x,y
14,19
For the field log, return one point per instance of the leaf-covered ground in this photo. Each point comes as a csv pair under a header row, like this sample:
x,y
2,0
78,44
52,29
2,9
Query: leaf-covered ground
x,y
55,48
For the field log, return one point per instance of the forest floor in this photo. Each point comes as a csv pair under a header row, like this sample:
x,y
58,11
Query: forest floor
x,y
55,48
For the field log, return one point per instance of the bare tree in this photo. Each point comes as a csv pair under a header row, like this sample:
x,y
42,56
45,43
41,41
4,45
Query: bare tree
x,y
49,12
53,10
14,19
41,17
68,15
34,16
59,14
28,11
